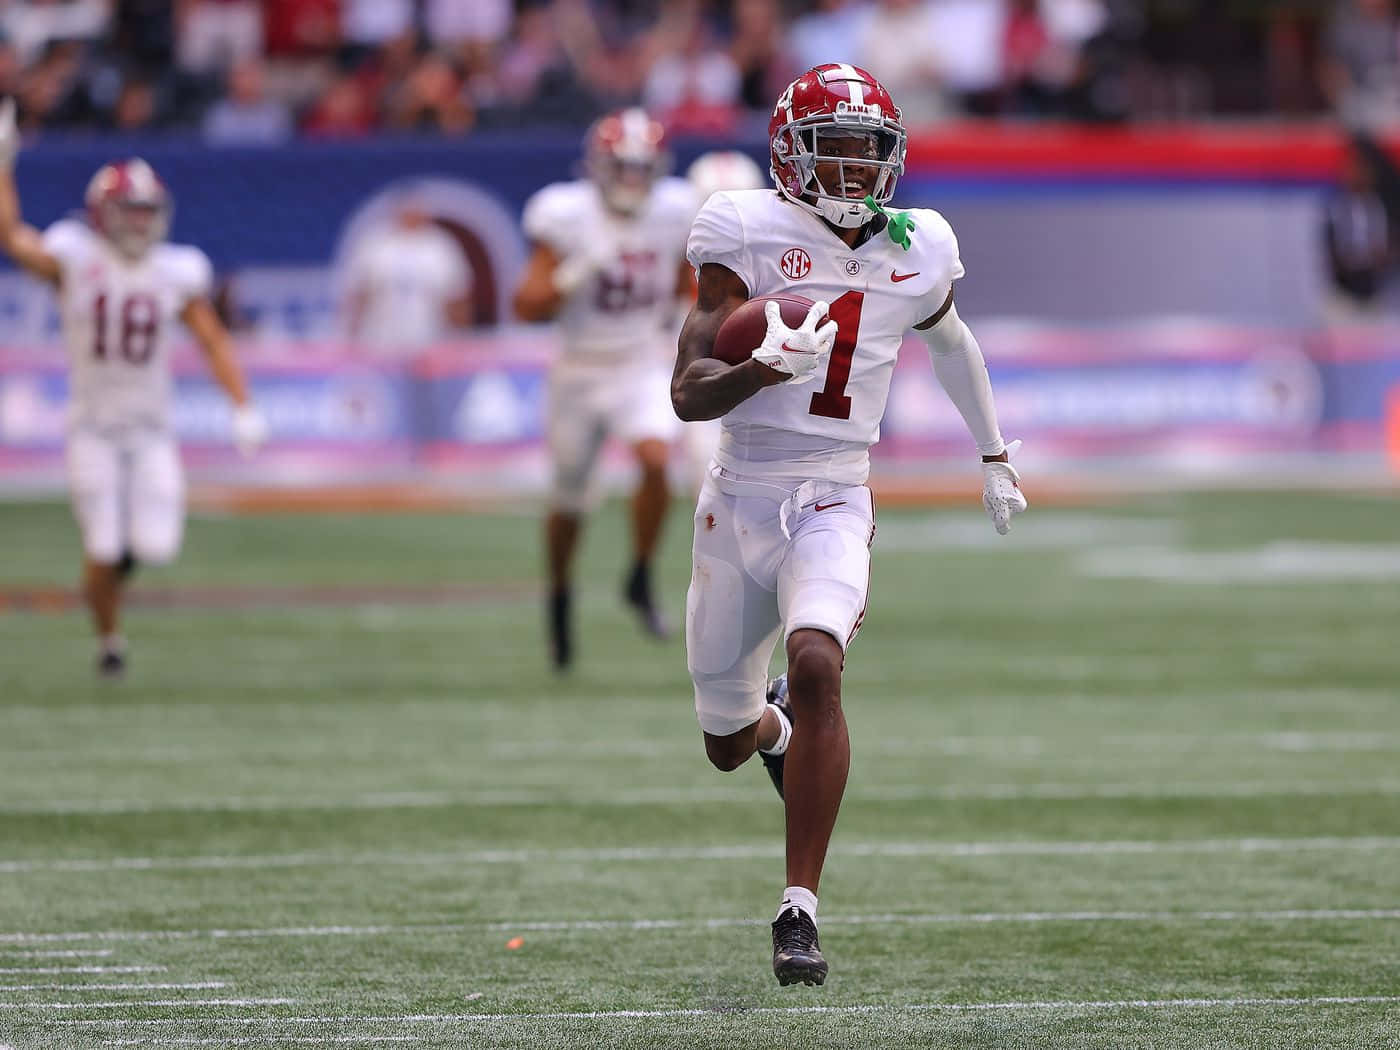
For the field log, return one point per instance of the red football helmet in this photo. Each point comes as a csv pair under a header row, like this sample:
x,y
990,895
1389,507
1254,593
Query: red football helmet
x,y
129,205
624,155
826,104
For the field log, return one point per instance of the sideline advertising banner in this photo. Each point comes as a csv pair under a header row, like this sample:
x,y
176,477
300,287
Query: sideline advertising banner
x,y
1178,401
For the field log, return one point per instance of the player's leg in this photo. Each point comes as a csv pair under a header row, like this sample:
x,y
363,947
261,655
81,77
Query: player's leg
x,y
643,417
95,478
822,590
649,503
156,507
732,623
575,436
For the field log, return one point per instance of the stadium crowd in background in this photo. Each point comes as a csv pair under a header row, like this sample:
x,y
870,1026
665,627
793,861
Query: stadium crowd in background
x,y
259,71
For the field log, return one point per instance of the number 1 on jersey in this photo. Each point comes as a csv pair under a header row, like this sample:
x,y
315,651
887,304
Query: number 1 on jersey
x,y
831,400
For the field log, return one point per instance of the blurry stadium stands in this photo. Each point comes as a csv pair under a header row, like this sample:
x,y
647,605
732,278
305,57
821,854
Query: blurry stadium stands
x,y
1138,186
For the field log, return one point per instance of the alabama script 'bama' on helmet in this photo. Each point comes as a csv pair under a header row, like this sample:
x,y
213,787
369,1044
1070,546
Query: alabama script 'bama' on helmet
x,y
826,104
625,154
129,205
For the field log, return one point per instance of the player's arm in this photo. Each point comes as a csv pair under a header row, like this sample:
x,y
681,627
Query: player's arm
x,y
962,372
199,316
685,283
539,297
704,387
20,241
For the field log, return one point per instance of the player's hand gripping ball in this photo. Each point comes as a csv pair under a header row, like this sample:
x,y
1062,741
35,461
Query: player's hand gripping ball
x,y
782,332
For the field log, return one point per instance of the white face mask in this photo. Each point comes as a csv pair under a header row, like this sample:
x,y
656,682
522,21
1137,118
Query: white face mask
x,y
134,228
856,162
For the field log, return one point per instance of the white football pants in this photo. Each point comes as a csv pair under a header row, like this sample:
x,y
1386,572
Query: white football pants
x,y
769,559
128,493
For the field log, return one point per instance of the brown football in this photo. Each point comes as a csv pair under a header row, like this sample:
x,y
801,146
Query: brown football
x,y
742,331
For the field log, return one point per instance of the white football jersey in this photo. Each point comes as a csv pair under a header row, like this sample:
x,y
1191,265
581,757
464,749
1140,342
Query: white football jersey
x,y
625,310
823,429
117,316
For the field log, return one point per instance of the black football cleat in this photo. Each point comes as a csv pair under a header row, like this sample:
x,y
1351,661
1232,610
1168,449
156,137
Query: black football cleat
x,y
778,697
637,594
111,664
561,638
797,953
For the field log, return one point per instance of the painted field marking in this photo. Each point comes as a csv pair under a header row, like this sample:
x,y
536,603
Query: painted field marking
x,y
127,1003
611,1015
1020,745
564,796
665,854
198,985
57,953
64,970
262,1040
1283,561
569,925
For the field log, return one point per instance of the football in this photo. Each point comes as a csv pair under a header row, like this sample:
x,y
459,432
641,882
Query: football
x,y
742,331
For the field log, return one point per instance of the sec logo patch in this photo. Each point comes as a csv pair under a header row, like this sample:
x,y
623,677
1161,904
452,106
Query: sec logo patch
x,y
795,264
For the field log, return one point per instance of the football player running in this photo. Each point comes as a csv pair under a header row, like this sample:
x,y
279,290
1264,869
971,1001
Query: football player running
x,y
120,290
607,264
784,522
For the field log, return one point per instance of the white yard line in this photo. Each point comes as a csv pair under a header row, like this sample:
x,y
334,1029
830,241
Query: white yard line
x,y
282,1040
199,985
57,953
610,1015
582,925
128,1003
565,747
65,970
745,795
667,854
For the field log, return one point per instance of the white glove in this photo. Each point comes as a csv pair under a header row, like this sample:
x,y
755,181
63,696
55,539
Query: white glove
x,y
797,351
9,135
249,429
1001,490
579,267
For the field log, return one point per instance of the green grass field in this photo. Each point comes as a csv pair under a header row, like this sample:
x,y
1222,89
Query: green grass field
x,y
1127,778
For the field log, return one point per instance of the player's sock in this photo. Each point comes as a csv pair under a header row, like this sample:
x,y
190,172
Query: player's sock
x,y
784,734
638,595
560,636
111,656
802,898
126,565
639,583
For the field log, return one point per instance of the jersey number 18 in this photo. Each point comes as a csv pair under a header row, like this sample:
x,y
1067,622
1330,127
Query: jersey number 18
x,y
140,321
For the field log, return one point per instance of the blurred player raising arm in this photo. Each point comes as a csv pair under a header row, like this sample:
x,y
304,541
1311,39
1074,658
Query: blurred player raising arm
x,y
120,289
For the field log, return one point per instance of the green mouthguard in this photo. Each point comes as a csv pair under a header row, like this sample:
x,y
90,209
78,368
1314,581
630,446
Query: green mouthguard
x,y
899,225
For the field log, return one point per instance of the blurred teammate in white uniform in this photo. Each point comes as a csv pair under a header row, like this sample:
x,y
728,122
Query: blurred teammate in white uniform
x,y
121,288
784,522
408,285
607,265
709,174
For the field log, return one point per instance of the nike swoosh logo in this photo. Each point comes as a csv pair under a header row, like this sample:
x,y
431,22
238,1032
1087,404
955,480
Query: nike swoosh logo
x,y
793,350
897,277
828,506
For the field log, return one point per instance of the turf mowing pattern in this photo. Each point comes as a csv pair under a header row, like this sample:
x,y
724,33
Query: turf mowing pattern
x,y
1089,806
